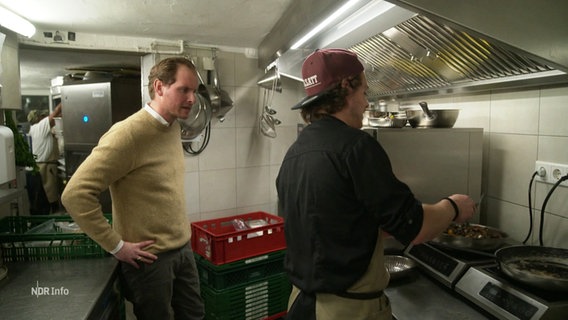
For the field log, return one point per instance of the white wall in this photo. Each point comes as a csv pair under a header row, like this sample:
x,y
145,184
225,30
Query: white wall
x,y
236,173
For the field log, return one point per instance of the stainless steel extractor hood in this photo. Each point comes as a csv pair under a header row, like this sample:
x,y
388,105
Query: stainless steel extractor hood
x,y
419,47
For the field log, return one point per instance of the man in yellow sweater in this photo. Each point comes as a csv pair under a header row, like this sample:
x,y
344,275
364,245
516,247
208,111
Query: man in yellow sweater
x,y
141,161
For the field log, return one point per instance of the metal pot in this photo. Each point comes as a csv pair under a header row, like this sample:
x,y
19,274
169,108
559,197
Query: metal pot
x,y
220,101
427,118
545,268
479,237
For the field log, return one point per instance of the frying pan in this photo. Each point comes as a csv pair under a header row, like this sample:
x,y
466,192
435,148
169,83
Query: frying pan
x,y
545,268
483,243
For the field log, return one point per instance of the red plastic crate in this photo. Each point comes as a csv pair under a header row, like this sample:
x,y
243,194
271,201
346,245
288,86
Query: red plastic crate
x,y
218,241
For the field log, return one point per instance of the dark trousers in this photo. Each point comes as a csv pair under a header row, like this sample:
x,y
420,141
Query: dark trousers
x,y
39,205
165,289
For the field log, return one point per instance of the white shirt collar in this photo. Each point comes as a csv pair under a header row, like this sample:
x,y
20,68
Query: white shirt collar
x,y
156,115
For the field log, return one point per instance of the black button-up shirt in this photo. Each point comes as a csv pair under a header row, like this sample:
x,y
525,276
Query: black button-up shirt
x,y
336,189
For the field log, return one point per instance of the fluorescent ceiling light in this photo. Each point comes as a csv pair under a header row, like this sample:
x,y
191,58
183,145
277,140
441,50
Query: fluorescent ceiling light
x,y
12,21
368,12
371,18
324,24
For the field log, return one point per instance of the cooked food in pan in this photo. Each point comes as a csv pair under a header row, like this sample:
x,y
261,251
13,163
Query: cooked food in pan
x,y
473,231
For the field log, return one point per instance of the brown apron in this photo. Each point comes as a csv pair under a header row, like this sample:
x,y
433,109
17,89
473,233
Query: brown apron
x,y
48,172
375,279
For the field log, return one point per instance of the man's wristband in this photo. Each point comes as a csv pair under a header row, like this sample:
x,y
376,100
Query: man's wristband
x,y
456,209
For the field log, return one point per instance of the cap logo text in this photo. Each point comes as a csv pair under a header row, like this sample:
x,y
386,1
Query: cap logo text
x,y
311,81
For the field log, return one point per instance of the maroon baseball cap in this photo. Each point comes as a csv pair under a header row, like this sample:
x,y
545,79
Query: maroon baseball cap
x,y
323,69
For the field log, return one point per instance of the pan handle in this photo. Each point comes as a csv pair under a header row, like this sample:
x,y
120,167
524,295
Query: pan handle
x,y
429,114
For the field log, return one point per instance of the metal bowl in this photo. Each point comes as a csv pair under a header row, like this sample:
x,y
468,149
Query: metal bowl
x,y
440,118
399,266
387,119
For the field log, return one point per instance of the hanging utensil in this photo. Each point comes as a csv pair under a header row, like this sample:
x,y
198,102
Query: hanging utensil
x,y
269,110
200,114
220,100
267,125
198,118
268,107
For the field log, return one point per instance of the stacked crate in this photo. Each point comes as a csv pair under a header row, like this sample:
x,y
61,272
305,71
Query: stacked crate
x,y
241,269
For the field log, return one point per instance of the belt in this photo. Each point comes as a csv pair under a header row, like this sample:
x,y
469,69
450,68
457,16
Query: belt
x,y
361,295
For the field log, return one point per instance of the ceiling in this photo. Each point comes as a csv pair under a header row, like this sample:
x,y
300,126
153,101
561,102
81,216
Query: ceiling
x,y
216,23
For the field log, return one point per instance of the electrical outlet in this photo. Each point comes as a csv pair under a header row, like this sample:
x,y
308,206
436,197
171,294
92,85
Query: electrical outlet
x,y
558,171
543,171
549,172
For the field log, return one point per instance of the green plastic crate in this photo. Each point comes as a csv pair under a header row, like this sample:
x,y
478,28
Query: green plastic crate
x,y
18,244
255,300
239,272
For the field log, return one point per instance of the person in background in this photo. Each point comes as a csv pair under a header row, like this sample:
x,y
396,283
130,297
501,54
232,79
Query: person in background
x,y
141,161
45,148
338,196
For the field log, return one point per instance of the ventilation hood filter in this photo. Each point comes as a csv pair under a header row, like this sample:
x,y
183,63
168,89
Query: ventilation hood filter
x,y
423,47
421,55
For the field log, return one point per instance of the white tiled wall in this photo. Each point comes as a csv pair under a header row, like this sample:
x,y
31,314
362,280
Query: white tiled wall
x,y
520,127
236,172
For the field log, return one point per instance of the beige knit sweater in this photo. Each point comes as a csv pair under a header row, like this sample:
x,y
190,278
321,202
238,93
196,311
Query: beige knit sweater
x,y
142,161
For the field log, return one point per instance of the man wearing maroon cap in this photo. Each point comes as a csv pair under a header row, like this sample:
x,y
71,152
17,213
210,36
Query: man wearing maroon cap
x,y
339,196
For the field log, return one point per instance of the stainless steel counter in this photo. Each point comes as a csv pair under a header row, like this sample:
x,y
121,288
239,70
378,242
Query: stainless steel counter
x,y
419,297
8,195
64,289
